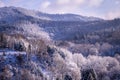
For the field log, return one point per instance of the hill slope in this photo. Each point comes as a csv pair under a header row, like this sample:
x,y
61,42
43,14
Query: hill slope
x,y
51,26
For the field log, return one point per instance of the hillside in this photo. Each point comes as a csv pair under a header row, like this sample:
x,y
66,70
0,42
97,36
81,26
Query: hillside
x,y
42,46
28,21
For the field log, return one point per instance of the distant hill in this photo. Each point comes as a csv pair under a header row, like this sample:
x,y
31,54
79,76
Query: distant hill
x,y
51,26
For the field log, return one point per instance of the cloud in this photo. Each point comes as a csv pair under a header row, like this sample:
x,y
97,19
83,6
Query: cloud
x,y
2,4
79,1
95,3
45,4
63,1
72,2
117,2
61,6
112,15
68,6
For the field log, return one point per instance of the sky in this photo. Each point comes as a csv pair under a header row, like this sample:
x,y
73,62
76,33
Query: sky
x,y
107,9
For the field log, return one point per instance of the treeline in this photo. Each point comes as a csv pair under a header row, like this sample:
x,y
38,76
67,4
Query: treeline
x,y
18,42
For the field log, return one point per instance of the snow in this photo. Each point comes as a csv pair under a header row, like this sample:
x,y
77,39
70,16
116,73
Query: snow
x,y
10,52
44,16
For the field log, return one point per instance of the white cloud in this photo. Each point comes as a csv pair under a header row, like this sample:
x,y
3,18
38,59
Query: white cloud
x,y
63,1
79,1
82,7
72,2
95,2
68,6
2,4
45,4
117,2
61,6
112,15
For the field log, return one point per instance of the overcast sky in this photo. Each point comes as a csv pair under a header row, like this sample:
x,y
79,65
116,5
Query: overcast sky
x,y
107,9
